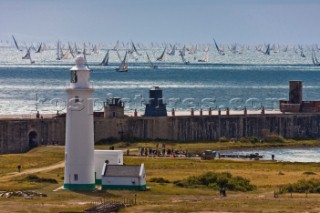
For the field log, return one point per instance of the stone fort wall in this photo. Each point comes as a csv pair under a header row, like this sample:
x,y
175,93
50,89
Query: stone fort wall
x,y
19,135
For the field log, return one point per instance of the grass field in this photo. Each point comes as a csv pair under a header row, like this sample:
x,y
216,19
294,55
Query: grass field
x,y
266,175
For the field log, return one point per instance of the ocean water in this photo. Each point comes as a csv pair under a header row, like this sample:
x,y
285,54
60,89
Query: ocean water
x,y
284,154
250,79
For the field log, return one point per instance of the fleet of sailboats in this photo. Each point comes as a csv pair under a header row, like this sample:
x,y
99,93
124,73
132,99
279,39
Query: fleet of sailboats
x,y
133,51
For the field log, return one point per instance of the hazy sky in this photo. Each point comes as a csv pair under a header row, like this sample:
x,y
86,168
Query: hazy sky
x,y
185,21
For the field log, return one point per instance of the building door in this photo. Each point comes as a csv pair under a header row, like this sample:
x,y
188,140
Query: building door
x,y
33,139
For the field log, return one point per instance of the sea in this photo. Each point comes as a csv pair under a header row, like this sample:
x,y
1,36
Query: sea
x,y
248,79
304,154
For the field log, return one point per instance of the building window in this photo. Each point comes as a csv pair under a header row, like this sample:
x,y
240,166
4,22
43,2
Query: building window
x,y
76,99
113,114
133,181
75,177
74,77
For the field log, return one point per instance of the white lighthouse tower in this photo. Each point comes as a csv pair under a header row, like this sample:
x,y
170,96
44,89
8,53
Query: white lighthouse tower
x,y
79,149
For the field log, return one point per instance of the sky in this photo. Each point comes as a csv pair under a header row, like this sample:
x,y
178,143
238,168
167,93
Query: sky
x,y
173,21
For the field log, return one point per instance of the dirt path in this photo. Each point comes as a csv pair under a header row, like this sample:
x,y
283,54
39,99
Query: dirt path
x,y
31,171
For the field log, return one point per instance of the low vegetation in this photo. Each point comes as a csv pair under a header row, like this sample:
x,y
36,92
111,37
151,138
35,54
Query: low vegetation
x,y
35,178
273,138
217,181
302,186
309,173
159,180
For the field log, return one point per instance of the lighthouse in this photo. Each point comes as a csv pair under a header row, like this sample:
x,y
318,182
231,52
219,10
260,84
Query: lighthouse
x,y
79,149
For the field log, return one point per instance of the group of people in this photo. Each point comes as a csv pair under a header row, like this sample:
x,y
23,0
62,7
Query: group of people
x,y
160,150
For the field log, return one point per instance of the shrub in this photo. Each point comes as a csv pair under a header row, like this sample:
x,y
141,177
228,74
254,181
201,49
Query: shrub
x,y
35,178
274,138
110,140
223,139
309,173
244,140
302,186
216,181
249,139
159,180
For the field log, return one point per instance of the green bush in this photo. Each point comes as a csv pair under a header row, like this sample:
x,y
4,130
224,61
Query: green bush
x,y
217,181
110,140
159,180
274,138
223,139
302,186
35,178
249,139
309,173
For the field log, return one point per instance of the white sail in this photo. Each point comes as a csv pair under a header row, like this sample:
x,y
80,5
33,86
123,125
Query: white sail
x,y
205,58
173,51
59,56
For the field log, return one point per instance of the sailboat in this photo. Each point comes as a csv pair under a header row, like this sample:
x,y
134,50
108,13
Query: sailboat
x,y
267,52
72,52
105,60
31,61
116,46
153,66
39,50
16,44
314,59
205,58
27,55
59,55
134,49
220,51
95,49
183,51
173,51
124,64
162,56
193,50
65,55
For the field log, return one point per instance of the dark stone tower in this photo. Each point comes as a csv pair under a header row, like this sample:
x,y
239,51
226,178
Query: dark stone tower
x,y
155,107
295,93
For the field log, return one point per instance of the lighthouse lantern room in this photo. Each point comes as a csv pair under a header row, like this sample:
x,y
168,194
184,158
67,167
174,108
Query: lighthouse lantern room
x,y
79,149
